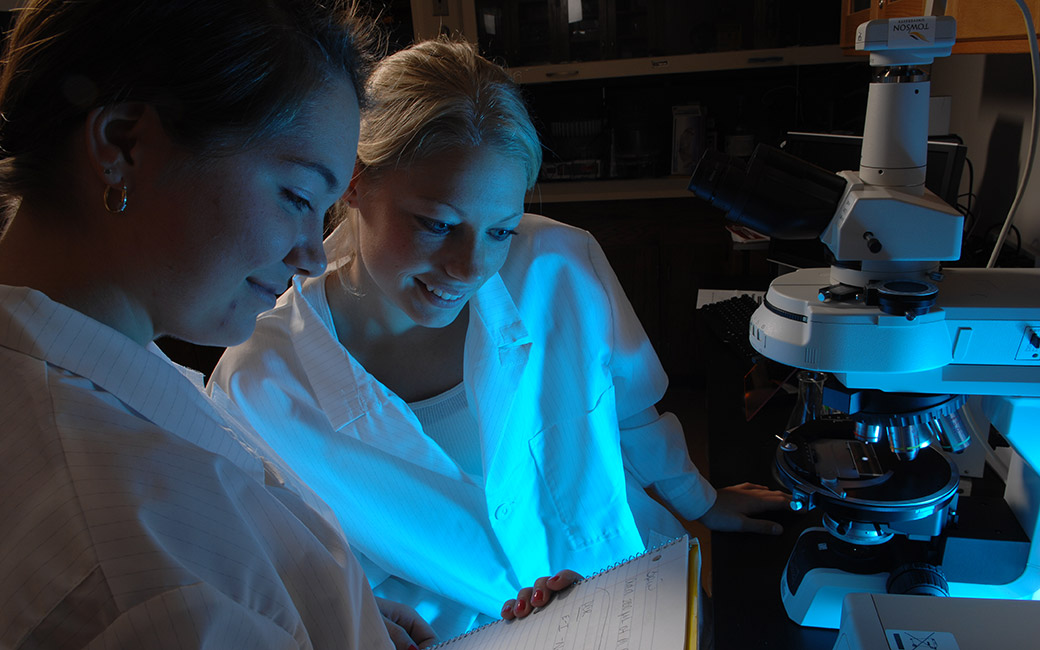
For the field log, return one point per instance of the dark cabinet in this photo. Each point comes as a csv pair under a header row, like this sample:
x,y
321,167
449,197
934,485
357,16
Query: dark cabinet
x,y
533,32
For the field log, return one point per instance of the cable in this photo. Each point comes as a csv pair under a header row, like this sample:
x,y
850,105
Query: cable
x,y
1034,129
971,183
966,209
1018,237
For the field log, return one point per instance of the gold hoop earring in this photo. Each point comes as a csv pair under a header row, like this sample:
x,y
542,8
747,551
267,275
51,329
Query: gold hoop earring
x,y
122,200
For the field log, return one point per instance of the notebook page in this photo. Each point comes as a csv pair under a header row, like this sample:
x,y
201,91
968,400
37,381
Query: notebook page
x,y
639,605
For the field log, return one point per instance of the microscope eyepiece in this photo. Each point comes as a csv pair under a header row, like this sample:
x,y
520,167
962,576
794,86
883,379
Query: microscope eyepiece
x,y
774,193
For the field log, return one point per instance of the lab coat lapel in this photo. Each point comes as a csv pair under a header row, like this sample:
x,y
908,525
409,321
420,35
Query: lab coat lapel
x,y
334,375
395,430
497,350
355,402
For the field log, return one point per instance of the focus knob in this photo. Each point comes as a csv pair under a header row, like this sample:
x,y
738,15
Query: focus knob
x,y
918,578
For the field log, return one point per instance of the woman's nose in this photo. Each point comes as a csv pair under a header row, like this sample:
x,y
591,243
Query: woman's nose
x,y
467,260
307,257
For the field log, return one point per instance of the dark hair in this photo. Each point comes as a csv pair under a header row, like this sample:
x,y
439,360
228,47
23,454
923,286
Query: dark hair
x,y
222,74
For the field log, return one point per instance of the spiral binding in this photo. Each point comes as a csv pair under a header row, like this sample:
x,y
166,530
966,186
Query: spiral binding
x,y
607,569
464,635
632,558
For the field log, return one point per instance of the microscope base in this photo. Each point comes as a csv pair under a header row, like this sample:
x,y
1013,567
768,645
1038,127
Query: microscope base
x,y
818,598
823,570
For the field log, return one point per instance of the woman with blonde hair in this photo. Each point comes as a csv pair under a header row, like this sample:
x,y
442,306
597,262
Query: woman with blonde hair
x,y
468,386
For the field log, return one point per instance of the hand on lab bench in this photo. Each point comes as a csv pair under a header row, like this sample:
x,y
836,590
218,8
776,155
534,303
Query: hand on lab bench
x,y
734,505
539,595
407,629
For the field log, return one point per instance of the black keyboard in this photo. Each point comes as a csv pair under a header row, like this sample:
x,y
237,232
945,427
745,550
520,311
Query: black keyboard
x,y
729,320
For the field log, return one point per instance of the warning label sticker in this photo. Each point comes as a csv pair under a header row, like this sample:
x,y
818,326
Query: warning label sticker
x,y
920,640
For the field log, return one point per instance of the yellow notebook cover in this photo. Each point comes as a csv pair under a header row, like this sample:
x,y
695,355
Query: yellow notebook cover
x,y
693,596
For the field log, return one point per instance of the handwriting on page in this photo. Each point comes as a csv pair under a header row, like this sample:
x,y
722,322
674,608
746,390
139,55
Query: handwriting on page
x,y
640,605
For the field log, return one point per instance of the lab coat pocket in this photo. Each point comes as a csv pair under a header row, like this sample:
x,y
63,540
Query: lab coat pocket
x,y
582,474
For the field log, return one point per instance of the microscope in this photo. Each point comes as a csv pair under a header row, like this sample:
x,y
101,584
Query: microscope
x,y
903,363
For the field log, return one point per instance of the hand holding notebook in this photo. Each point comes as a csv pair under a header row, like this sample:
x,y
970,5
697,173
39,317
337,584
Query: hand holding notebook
x,y
646,603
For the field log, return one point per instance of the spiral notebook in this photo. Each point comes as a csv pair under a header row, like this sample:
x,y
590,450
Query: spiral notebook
x,y
649,602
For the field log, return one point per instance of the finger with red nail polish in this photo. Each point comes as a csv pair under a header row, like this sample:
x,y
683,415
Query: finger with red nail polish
x,y
507,609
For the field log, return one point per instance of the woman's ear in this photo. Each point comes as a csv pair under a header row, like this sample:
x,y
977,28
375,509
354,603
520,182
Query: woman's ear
x,y
114,135
351,195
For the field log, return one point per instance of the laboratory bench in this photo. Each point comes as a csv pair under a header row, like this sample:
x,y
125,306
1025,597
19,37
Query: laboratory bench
x,y
743,570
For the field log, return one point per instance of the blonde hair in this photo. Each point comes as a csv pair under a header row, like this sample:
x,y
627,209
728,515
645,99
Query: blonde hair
x,y
436,96
439,95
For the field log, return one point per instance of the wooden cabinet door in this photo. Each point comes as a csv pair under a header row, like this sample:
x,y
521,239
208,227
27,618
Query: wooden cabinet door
x,y
853,14
856,12
991,26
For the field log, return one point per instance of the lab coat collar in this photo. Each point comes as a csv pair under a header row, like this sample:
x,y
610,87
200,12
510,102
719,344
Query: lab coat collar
x,y
499,316
142,378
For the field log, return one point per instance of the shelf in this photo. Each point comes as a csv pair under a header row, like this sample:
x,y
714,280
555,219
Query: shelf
x,y
668,187
738,59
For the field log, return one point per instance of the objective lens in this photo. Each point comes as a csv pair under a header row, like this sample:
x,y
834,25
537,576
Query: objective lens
x,y
906,441
869,433
954,434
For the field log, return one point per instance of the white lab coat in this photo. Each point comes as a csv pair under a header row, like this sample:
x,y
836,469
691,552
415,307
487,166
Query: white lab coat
x,y
554,359
140,513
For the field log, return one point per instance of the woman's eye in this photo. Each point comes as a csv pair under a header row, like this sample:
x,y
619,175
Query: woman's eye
x,y
297,201
502,234
436,227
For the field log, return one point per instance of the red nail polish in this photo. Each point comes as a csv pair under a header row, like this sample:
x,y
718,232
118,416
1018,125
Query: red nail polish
x,y
521,606
539,595
506,608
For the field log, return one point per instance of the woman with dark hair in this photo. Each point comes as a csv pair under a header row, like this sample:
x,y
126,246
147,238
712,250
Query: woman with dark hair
x,y
166,168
